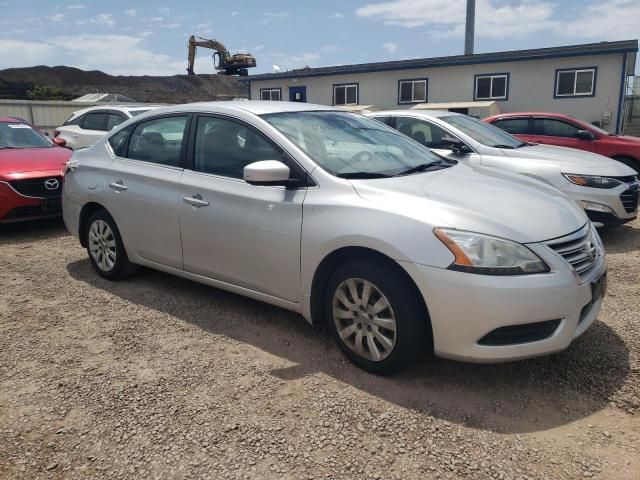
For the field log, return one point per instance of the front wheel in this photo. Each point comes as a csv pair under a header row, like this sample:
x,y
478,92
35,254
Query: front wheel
x,y
105,248
376,316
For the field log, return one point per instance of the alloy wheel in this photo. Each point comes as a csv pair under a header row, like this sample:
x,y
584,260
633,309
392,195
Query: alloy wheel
x,y
364,319
102,245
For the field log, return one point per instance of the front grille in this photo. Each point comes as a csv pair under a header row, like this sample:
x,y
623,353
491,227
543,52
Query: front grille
x,y
580,249
629,200
35,187
515,334
32,211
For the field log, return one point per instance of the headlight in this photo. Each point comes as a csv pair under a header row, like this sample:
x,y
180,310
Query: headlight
x,y
592,181
477,253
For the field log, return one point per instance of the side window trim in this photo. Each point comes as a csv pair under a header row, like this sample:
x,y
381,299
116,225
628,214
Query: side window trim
x,y
190,154
183,146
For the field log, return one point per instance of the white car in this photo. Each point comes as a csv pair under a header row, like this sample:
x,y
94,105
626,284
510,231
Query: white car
x,y
608,190
344,220
85,127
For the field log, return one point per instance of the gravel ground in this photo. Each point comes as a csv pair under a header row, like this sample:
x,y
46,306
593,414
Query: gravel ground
x,y
159,377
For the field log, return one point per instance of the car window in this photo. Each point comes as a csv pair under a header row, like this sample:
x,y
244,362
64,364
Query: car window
x,y
118,141
94,121
351,145
554,128
224,147
421,131
74,121
483,133
114,119
158,140
513,126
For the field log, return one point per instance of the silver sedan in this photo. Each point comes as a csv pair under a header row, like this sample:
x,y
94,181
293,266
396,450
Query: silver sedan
x,y
344,220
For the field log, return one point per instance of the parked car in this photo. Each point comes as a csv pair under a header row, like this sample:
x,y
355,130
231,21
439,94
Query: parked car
x,y
400,251
85,127
606,189
30,172
566,131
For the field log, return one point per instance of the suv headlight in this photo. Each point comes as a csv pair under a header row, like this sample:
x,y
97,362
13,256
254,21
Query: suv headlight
x,y
593,181
486,255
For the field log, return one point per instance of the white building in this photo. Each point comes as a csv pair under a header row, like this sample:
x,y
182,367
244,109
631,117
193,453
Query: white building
x,y
586,81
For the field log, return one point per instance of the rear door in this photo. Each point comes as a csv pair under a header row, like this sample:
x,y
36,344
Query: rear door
x,y
518,126
553,131
242,234
144,185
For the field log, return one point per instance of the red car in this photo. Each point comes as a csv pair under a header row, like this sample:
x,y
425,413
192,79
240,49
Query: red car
x,y
566,131
30,172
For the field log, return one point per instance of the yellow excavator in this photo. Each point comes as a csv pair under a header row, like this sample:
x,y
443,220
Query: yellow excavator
x,y
223,61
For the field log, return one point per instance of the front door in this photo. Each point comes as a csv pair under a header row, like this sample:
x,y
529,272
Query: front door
x,y
242,234
298,94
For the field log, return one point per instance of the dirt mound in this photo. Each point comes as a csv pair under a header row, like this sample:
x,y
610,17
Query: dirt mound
x,y
73,82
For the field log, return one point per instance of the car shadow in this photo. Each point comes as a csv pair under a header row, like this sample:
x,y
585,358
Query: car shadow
x,y
623,239
32,231
520,397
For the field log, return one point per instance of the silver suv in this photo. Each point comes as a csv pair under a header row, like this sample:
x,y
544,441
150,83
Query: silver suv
x,y
344,220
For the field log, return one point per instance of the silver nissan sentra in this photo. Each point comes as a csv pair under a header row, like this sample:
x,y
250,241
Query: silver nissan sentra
x,y
336,216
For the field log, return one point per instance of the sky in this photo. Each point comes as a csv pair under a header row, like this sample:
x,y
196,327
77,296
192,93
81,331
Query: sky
x,y
150,37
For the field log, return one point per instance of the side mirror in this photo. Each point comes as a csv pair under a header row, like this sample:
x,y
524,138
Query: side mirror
x,y
60,142
455,145
267,172
585,135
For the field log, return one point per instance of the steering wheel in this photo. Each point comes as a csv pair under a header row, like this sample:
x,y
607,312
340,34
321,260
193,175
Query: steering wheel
x,y
363,156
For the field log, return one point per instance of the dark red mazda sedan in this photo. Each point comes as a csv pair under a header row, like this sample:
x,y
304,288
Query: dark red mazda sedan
x,y
30,172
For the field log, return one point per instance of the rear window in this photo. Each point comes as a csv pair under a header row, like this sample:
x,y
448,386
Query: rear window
x,y
94,121
73,120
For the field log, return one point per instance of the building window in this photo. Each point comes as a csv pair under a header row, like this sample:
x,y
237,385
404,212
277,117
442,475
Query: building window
x,y
412,91
346,94
493,86
273,94
578,82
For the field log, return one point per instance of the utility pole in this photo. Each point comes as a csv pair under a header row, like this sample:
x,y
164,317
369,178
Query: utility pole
x,y
470,27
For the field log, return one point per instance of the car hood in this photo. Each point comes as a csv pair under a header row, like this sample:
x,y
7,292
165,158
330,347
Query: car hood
x,y
478,199
571,160
23,160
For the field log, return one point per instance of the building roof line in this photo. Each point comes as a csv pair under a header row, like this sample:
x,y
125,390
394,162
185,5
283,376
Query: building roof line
x,y
600,48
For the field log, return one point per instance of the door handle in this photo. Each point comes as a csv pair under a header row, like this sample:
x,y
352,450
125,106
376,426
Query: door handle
x,y
196,201
118,186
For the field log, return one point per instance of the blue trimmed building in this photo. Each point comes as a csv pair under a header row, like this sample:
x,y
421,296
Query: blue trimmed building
x,y
586,81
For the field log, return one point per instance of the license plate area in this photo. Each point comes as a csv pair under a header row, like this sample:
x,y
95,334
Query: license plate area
x,y
52,205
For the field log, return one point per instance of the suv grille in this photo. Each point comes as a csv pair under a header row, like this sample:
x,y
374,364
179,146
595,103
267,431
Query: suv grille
x,y
580,249
35,187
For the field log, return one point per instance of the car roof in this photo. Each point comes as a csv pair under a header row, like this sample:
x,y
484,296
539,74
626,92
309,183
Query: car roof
x,y
11,120
257,107
530,114
416,113
122,108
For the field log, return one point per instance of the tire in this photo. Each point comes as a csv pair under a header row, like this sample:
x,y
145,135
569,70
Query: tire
x,y
105,248
630,162
395,350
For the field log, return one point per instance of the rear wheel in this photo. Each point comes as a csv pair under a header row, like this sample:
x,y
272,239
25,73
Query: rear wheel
x,y
105,248
376,316
630,162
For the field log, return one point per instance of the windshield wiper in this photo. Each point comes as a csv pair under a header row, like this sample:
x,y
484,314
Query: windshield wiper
x,y
509,147
356,175
420,168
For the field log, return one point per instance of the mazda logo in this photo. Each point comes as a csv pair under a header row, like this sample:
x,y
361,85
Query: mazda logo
x,y
52,184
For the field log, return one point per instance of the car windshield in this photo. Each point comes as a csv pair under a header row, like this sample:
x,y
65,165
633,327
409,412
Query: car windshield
x,y
482,132
21,135
352,146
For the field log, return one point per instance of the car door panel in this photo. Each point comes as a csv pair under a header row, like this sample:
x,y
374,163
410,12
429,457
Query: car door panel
x,y
143,200
232,231
247,235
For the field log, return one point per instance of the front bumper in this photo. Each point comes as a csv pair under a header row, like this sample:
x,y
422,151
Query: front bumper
x,y
464,308
15,207
604,206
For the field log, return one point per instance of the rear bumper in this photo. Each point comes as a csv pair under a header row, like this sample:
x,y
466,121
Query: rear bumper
x,y
469,312
19,208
